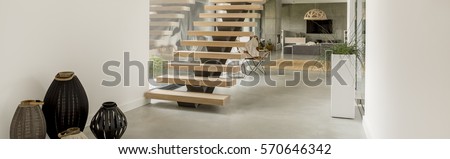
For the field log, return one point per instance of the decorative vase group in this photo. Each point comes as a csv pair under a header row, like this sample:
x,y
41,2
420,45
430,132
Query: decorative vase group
x,y
65,104
64,114
28,121
109,122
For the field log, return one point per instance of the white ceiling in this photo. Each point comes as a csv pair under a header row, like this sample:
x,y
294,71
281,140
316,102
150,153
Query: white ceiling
x,y
312,1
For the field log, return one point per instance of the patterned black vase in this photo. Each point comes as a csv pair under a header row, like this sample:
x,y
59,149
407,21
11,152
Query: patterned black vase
x,y
28,121
65,105
109,122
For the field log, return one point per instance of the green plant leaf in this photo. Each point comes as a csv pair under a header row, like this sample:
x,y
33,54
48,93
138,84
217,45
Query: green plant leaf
x,y
344,49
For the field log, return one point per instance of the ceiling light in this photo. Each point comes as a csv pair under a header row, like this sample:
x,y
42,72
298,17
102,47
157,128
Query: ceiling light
x,y
315,14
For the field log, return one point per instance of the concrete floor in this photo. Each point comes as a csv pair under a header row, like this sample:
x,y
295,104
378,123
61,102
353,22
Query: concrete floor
x,y
259,112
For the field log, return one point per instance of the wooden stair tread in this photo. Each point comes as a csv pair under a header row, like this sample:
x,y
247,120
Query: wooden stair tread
x,y
212,55
212,43
160,32
152,2
235,7
167,16
229,1
188,97
229,15
225,24
219,33
165,24
205,67
158,43
170,8
197,81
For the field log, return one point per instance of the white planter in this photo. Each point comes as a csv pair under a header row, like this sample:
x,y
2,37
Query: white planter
x,y
343,90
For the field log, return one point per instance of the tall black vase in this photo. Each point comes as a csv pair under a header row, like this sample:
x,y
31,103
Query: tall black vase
x,y
65,104
109,122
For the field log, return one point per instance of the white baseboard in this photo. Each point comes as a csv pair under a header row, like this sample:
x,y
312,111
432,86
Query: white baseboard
x,y
366,128
134,104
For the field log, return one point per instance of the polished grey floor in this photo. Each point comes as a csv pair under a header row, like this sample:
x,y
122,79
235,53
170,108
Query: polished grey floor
x,y
257,112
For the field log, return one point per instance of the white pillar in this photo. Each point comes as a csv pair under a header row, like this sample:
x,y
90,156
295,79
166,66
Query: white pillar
x,y
408,69
360,43
351,16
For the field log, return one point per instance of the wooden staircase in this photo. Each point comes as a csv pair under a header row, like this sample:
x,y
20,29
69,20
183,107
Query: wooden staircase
x,y
229,16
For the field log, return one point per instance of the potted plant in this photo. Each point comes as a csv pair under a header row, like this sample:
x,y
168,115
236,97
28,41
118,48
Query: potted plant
x,y
269,45
343,62
344,49
261,45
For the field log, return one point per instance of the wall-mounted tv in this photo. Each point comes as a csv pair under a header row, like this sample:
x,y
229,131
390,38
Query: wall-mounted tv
x,y
319,26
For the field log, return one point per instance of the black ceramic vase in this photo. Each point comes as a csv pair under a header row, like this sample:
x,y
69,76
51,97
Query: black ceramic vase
x,y
109,122
65,105
28,121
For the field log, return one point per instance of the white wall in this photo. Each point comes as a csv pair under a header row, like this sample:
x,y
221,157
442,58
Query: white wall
x,y
408,76
40,38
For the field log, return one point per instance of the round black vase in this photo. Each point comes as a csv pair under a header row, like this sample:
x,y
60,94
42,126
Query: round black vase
x,y
109,122
65,104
